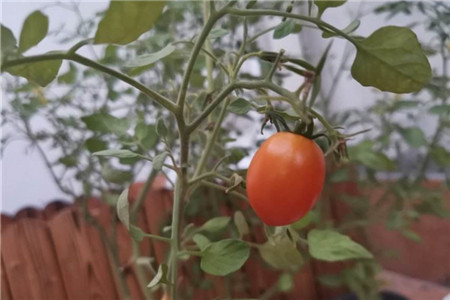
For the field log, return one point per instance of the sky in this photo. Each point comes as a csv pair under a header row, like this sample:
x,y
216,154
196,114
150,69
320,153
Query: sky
x,y
26,181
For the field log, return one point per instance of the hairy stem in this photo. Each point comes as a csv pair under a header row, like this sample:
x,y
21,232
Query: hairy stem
x,y
163,101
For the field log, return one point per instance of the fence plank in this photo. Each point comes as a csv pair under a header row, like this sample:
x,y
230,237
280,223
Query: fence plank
x,y
5,290
28,257
81,273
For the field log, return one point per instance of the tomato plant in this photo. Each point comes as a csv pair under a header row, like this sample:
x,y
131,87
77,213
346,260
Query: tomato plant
x,y
285,178
177,90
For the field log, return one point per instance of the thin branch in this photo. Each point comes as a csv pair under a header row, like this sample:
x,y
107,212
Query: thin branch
x,y
165,102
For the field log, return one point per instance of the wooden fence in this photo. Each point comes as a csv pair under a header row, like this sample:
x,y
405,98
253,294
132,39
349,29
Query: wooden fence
x,y
55,254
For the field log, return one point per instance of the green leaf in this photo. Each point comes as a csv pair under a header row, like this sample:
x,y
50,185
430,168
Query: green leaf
x,y
95,144
121,153
281,253
105,123
161,128
116,176
136,233
364,154
125,21
440,155
285,282
123,212
284,29
413,136
41,73
323,5
350,28
224,257
240,106
340,175
309,218
34,29
158,160
8,42
411,235
215,224
160,277
217,33
69,77
391,60
69,161
330,245
201,241
331,280
241,223
146,60
145,135
442,109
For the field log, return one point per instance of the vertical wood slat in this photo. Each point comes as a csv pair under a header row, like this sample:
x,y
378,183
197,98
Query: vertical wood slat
x,y
5,290
80,269
29,261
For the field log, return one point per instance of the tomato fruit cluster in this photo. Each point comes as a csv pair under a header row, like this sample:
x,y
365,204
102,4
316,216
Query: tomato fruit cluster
x,y
285,178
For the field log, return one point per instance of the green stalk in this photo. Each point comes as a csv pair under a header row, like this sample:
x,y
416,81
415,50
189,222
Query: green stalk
x,y
177,199
193,57
208,48
165,102
269,12
211,140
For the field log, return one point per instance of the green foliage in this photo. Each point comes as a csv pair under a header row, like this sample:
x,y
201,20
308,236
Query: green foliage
x,y
322,5
240,106
330,245
41,73
285,282
143,62
106,123
8,42
350,28
116,176
169,67
158,160
215,224
364,154
123,212
392,60
224,257
160,277
125,21
34,29
117,153
217,33
284,29
241,223
413,136
201,241
281,253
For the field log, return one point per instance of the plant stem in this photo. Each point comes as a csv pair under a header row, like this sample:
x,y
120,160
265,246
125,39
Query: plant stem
x,y
269,12
211,140
141,278
142,195
259,84
209,62
193,57
223,188
165,102
174,239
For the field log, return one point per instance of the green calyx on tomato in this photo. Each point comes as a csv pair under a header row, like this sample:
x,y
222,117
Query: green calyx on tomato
x,y
285,178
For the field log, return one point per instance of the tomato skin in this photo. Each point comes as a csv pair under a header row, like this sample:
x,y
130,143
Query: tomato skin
x,y
285,178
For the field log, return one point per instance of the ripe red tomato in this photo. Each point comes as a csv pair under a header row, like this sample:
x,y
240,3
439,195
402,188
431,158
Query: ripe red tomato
x,y
285,178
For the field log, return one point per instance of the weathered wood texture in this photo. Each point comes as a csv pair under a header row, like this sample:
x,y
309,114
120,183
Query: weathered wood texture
x,y
55,254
